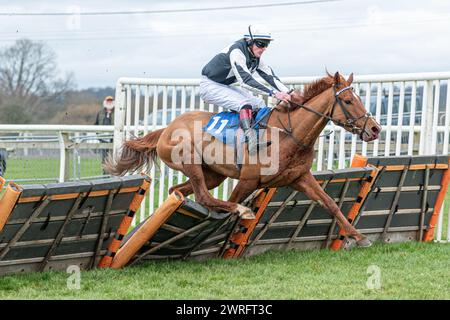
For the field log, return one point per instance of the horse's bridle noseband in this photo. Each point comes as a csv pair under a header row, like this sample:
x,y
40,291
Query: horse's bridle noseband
x,y
349,123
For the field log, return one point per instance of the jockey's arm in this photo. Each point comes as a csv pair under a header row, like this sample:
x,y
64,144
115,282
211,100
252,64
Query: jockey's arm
x,y
268,75
244,76
266,72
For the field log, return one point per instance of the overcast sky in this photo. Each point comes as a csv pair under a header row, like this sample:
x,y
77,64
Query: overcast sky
x,y
360,36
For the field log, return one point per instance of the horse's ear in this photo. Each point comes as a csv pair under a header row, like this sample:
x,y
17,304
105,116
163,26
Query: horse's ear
x,y
328,74
337,78
350,79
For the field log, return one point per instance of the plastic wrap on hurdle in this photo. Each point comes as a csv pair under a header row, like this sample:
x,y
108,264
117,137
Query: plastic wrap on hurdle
x,y
405,198
288,219
53,226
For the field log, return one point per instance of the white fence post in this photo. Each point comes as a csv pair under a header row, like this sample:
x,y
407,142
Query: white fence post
x,y
64,171
426,134
119,117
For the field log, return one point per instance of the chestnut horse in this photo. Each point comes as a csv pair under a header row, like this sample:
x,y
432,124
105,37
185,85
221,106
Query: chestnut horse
x,y
328,99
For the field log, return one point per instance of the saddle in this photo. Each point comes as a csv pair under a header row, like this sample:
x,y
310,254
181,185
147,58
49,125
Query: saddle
x,y
224,126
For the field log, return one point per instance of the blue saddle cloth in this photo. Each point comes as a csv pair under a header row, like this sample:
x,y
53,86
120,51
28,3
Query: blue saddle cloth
x,y
223,126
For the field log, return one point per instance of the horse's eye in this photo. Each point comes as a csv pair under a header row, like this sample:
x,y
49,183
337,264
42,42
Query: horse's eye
x,y
348,101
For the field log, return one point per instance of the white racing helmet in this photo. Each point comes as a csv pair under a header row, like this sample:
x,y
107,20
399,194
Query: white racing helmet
x,y
258,32
108,103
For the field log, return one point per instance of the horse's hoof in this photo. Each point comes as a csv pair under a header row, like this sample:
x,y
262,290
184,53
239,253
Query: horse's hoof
x,y
349,244
364,243
244,212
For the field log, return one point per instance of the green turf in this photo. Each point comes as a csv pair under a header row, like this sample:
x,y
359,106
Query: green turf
x,y
44,170
408,271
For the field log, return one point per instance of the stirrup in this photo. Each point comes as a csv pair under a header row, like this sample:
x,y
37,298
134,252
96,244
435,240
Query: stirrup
x,y
265,144
252,141
257,145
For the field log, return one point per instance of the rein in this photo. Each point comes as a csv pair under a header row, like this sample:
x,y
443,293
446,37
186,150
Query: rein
x,y
349,122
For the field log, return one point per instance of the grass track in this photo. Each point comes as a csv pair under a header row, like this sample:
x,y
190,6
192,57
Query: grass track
x,y
408,271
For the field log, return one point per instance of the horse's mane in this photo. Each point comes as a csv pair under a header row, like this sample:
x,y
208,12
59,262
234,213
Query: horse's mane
x,y
313,89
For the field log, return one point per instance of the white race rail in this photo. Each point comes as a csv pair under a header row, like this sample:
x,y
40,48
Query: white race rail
x,y
414,98
62,132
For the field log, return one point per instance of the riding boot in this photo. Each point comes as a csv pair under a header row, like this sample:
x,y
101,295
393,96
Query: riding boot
x,y
245,120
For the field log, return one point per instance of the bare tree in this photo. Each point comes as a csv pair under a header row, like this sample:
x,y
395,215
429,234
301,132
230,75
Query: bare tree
x,y
29,75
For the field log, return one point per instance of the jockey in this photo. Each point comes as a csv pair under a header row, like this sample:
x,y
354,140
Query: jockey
x,y
238,63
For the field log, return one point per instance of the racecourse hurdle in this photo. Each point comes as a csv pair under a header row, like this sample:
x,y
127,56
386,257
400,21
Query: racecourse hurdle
x,y
53,226
177,230
389,198
406,198
289,220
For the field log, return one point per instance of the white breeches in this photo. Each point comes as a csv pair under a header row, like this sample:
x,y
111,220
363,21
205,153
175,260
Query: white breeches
x,y
228,97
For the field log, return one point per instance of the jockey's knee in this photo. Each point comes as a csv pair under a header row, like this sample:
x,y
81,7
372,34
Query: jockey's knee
x,y
245,116
245,112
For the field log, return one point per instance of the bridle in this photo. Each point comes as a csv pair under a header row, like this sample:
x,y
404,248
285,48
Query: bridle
x,y
349,123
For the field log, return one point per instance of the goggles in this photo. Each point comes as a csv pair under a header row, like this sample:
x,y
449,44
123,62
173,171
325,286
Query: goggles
x,y
261,43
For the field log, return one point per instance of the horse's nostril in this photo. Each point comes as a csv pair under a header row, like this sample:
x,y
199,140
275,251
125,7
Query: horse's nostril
x,y
375,129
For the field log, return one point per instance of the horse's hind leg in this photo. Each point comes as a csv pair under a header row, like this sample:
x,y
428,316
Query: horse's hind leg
x,y
202,195
311,188
185,188
212,180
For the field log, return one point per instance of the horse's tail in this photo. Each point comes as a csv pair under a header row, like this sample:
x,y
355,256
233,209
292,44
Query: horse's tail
x,y
134,155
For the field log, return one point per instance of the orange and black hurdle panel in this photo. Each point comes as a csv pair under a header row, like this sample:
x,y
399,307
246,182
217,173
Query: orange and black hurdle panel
x,y
2,182
140,235
406,198
52,226
8,201
357,162
114,246
429,233
179,229
244,228
288,219
238,239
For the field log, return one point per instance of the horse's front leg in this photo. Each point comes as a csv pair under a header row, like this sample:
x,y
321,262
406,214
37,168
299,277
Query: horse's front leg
x,y
312,189
200,187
